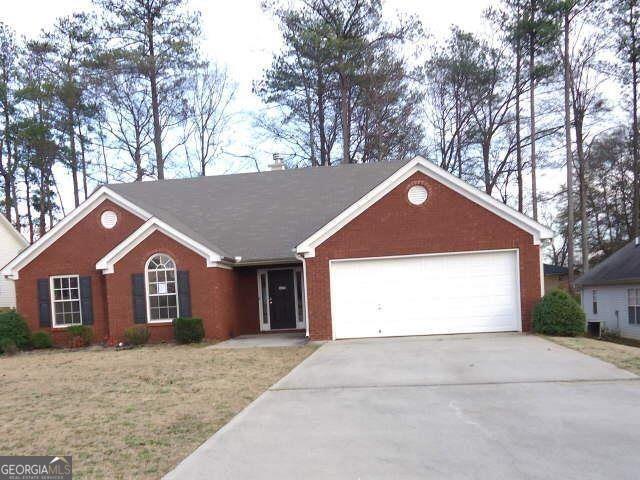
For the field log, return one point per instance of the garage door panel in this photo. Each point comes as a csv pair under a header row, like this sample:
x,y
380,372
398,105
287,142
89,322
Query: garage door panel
x,y
449,293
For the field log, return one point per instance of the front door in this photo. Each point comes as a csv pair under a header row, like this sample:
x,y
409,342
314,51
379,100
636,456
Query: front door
x,y
282,311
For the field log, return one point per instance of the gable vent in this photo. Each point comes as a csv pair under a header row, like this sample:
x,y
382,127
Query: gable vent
x,y
417,195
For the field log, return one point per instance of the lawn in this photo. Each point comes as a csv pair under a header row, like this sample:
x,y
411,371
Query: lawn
x,y
623,356
130,413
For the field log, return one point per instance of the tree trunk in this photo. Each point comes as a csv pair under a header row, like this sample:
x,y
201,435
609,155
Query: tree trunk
x,y
73,159
84,163
584,187
345,117
155,106
321,120
517,120
532,120
27,189
568,146
636,155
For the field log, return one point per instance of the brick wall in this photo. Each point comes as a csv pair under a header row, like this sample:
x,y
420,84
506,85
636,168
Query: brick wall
x,y
447,222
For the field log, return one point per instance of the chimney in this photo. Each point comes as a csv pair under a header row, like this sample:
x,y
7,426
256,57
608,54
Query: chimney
x,y
277,164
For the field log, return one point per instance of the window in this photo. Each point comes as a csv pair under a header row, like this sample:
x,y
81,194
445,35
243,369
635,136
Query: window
x,y
161,289
633,302
299,296
65,300
594,294
264,298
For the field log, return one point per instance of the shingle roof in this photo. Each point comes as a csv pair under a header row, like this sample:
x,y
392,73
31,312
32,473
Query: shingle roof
x,y
555,270
258,216
620,268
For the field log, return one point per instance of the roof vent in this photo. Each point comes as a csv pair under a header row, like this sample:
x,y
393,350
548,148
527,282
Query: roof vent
x,y
277,164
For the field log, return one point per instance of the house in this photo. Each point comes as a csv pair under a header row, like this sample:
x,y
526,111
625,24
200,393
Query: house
x,y
11,242
610,292
384,249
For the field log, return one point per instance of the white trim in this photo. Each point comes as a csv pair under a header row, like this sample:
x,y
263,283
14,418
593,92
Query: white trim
x,y
16,234
107,263
12,269
146,289
517,266
52,301
305,296
300,323
419,164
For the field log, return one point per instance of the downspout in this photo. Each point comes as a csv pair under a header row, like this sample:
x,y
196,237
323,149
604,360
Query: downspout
x,y
305,297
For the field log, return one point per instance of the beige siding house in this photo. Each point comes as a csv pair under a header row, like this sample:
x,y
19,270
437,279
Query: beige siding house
x,y
11,242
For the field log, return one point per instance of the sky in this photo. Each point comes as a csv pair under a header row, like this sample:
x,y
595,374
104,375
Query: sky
x,y
240,36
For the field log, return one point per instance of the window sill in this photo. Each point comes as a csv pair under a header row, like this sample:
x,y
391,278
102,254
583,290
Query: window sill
x,y
64,327
159,323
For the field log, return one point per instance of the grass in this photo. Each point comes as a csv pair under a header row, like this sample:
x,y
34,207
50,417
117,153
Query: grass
x,y
130,413
623,356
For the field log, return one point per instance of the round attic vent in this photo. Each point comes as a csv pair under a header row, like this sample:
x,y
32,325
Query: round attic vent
x,y
417,195
109,219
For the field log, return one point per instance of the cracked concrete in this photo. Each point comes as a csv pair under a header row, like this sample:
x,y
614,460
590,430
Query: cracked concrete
x,y
465,406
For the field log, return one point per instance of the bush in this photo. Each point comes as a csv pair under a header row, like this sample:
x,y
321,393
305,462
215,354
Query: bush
x,y
41,340
188,330
8,346
137,335
14,328
559,314
79,336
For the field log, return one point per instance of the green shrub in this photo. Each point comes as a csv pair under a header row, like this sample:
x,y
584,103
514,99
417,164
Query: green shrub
x,y
41,340
559,314
188,330
13,327
79,336
137,335
8,346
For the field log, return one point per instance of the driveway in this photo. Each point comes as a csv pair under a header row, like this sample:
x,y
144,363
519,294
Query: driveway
x,y
464,407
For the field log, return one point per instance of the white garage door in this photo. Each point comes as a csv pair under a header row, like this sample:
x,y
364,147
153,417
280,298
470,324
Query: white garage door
x,y
426,294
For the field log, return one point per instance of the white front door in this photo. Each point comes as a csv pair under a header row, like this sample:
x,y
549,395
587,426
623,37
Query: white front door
x,y
426,294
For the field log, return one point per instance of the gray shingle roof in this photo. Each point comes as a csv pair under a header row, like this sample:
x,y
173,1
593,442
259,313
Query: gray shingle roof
x,y
258,216
620,268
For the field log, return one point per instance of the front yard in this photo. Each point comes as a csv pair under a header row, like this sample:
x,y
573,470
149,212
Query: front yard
x,y
131,413
622,356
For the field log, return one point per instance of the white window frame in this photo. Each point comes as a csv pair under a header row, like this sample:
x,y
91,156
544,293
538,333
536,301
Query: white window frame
x,y
53,300
300,319
148,295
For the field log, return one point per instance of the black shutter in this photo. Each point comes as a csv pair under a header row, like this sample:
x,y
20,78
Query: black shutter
x,y
86,303
44,302
139,300
184,294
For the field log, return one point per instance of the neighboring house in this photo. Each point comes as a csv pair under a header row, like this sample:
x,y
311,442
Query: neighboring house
x,y
611,292
11,242
555,277
383,249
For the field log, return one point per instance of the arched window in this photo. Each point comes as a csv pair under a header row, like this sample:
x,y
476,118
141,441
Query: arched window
x,y
162,290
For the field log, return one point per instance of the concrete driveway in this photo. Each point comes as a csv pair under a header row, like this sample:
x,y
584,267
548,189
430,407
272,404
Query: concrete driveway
x,y
463,407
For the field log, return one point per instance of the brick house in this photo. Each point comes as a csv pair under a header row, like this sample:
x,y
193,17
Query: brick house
x,y
386,249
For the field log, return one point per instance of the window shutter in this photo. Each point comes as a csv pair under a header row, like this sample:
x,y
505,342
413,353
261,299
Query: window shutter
x,y
44,302
184,294
86,302
139,300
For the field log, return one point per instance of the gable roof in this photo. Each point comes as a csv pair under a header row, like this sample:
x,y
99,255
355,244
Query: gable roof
x,y
12,231
257,216
620,268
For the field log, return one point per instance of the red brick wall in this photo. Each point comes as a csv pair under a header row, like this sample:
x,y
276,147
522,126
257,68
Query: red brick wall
x,y
76,252
447,222
213,290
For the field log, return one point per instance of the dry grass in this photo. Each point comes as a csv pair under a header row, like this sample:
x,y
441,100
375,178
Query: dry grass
x,y
131,413
623,356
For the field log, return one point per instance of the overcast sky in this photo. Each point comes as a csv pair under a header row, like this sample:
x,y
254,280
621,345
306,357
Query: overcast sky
x,y
239,35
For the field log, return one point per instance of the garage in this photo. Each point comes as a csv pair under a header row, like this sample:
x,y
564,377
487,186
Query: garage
x,y
444,293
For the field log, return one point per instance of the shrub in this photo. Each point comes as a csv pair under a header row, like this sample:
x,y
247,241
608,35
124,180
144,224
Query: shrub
x,y
8,346
14,328
137,335
41,340
188,330
79,336
559,314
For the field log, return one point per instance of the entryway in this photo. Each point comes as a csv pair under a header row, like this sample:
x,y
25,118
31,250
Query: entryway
x,y
281,294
